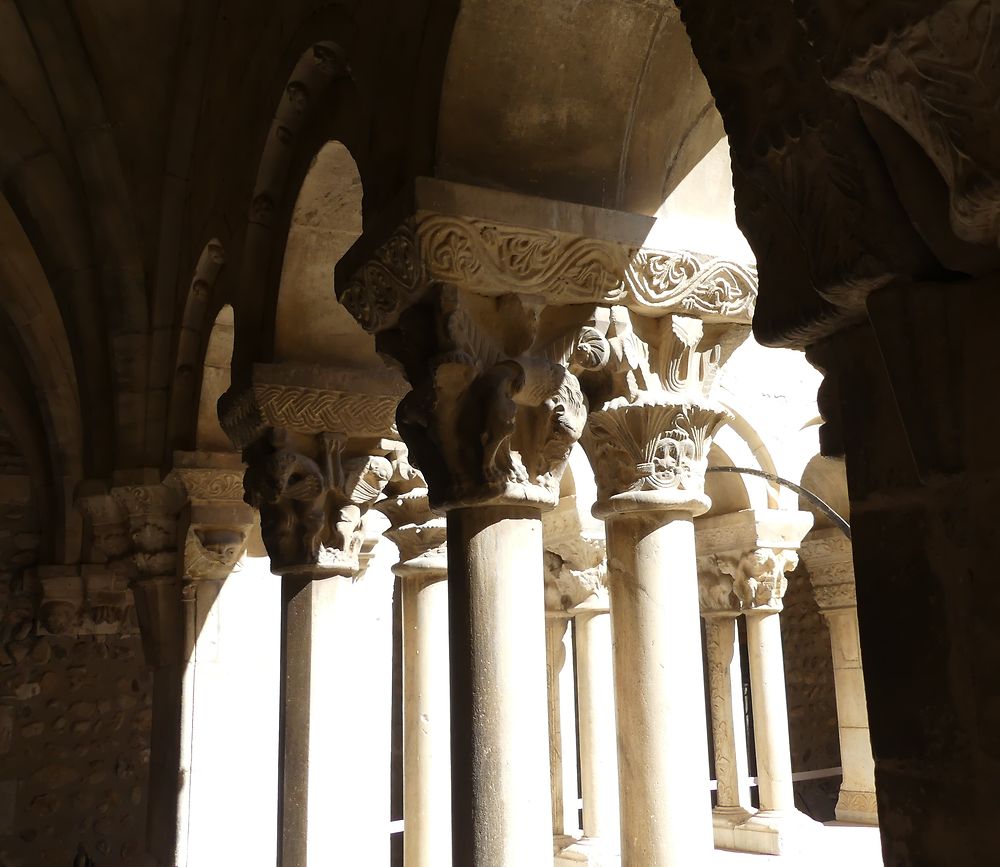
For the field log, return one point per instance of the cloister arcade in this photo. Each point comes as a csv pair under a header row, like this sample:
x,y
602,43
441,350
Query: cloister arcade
x,y
380,385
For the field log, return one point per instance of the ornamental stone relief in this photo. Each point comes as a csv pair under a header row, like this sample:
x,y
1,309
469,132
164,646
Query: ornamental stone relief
x,y
314,441
492,258
511,334
933,70
496,404
312,505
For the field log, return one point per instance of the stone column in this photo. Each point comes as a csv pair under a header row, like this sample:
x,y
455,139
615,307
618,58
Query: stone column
x,y
649,452
576,586
423,571
719,610
214,527
769,540
499,307
313,440
562,726
828,557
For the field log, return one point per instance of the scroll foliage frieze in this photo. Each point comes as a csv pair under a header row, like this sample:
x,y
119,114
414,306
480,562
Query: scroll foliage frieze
x,y
493,258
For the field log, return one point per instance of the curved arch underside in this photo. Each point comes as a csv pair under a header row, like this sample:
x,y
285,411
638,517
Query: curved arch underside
x,y
601,103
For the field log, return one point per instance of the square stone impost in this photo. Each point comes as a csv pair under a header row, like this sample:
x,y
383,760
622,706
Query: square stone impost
x,y
500,307
317,442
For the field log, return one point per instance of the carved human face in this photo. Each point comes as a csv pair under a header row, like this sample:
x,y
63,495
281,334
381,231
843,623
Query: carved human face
x,y
58,617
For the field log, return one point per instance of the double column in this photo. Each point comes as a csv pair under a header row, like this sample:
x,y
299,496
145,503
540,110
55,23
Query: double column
x,y
314,440
828,557
749,554
582,731
514,328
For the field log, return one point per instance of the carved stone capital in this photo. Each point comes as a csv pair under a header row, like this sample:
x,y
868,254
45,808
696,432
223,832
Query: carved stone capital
x,y
829,558
217,523
496,404
84,600
313,439
648,440
515,244
569,590
151,511
743,558
107,524
313,492
499,318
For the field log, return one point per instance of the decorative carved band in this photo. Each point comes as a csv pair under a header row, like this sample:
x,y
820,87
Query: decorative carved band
x,y
493,258
312,400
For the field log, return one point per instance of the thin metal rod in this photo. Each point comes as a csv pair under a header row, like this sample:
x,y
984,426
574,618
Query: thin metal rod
x,y
824,507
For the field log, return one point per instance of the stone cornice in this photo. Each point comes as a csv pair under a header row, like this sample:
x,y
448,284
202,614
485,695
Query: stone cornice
x,y
312,399
494,243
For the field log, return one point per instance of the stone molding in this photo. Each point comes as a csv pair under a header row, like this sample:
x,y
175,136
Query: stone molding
x,y
743,558
312,399
828,556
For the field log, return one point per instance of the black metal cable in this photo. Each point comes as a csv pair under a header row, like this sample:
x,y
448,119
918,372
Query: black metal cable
x,y
824,507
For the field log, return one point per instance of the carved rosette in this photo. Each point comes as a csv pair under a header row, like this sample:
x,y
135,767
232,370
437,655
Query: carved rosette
x,y
829,558
313,441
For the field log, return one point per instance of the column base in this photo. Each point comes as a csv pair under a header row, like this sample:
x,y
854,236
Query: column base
x,y
589,851
770,832
857,808
724,823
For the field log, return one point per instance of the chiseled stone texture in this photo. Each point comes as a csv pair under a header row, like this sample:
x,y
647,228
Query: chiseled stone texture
x,y
74,747
812,701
